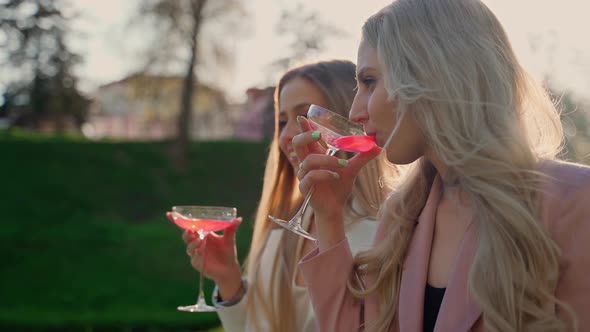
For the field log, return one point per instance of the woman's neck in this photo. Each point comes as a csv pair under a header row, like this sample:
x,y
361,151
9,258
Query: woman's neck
x,y
441,167
450,188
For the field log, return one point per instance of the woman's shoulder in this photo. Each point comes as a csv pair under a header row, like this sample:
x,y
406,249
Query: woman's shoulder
x,y
566,214
567,180
360,234
360,224
565,203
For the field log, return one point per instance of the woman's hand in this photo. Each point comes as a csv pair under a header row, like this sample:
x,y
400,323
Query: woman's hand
x,y
332,180
219,255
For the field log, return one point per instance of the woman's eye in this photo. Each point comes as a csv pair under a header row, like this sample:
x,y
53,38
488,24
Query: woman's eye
x,y
368,82
282,124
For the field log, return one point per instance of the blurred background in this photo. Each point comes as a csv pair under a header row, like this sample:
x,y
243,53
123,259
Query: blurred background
x,y
113,111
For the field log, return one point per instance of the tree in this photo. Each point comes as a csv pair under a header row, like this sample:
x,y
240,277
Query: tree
x,y
182,35
35,34
575,118
308,35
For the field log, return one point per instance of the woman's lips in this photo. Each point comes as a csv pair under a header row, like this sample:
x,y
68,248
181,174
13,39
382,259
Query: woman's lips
x,y
374,135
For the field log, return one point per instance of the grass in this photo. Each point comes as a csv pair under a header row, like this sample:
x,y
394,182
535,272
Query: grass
x,y
85,243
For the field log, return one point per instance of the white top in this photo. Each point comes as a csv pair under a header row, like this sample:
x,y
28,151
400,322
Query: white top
x,y
360,236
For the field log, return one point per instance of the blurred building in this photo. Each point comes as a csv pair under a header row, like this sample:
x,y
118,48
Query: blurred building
x,y
256,121
146,107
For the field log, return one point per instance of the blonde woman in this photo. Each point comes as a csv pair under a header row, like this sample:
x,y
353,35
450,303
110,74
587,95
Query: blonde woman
x,y
272,295
487,231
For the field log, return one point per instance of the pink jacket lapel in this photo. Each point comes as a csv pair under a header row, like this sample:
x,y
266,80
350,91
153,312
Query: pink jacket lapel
x,y
414,275
458,311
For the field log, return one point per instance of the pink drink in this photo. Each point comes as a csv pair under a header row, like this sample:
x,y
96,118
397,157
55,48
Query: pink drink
x,y
354,143
199,224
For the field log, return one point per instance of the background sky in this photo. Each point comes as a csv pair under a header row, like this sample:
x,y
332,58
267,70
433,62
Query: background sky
x,y
549,37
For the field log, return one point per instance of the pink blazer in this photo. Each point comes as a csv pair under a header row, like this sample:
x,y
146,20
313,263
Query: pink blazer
x,y
565,213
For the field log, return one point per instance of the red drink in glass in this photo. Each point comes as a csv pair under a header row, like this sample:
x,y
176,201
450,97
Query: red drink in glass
x,y
202,220
200,224
354,143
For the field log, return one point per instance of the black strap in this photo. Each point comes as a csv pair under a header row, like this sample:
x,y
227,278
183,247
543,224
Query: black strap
x,y
362,318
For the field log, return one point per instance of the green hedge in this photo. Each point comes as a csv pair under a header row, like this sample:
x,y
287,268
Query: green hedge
x,y
84,241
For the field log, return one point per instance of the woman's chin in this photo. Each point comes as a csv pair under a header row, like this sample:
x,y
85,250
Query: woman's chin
x,y
396,158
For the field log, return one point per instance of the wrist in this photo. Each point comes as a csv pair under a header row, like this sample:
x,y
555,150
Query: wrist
x,y
330,229
237,298
230,284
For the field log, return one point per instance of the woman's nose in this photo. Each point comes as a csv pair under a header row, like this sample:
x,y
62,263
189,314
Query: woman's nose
x,y
358,112
291,129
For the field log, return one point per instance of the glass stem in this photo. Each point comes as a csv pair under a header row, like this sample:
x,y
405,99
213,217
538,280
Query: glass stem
x,y
301,211
201,296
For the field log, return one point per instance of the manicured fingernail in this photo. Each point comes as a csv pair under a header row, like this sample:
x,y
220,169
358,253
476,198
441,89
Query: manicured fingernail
x,y
299,119
342,162
335,175
316,134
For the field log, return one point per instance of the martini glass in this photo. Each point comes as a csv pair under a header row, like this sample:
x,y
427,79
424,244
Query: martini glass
x,y
203,220
339,134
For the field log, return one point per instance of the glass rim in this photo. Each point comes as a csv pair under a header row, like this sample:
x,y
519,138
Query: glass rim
x,y
211,207
329,111
337,116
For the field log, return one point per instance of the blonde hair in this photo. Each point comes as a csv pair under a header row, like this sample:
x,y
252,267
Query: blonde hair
x,y
449,64
281,197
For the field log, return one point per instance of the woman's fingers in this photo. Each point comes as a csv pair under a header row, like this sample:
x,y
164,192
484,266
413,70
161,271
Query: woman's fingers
x,y
341,166
303,123
189,236
192,247
169,216
318,161
229,235
196,251
307,142
197,262
196,246
361,159
316,176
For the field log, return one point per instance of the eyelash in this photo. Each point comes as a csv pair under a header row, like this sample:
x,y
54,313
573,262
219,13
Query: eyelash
x,y
369,81
282,124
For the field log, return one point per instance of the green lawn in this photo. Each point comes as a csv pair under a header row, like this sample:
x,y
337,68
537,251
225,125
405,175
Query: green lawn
x,y
84,241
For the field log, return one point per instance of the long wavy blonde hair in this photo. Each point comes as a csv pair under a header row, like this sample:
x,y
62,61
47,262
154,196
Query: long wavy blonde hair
x,y
280,197
450,65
